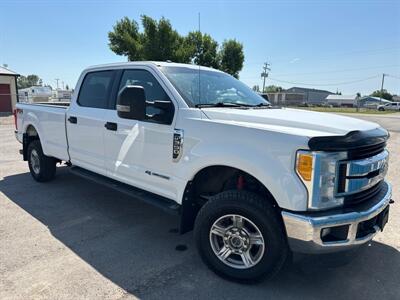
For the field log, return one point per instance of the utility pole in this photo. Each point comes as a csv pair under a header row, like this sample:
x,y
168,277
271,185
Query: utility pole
x,y
57,79
383,81
264,74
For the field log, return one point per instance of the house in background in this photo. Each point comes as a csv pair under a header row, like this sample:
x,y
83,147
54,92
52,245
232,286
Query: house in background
x,y
396,98
61,95
8,90
311,96
342,100
371,102
299,96
284,99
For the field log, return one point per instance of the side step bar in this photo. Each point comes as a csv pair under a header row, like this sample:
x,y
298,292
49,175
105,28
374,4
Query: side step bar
x,y
165,204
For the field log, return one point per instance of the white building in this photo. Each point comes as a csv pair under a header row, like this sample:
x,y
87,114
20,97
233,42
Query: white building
x,y
342,100
61,95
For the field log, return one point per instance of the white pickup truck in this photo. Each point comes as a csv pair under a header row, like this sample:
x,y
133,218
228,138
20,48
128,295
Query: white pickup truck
x,y
255,182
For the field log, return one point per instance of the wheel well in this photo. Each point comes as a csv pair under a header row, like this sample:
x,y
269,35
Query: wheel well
x,y
30,135
31,131
213,180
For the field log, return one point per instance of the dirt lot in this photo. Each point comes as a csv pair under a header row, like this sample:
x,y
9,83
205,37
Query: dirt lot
x,y
72,239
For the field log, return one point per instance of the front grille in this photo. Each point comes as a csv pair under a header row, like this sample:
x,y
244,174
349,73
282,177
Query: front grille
x,y
367,151
365,195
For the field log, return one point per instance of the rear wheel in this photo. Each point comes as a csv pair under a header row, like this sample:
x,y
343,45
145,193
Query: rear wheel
x,y
42,167
240,236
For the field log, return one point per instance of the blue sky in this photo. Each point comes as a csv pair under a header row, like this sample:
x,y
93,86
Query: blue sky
x,y
344,45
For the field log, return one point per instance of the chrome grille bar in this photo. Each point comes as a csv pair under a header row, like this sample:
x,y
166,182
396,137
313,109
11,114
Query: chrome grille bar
x,y
363,173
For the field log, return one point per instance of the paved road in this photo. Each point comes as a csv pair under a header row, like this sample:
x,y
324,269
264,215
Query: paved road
x,y
72,239
390,121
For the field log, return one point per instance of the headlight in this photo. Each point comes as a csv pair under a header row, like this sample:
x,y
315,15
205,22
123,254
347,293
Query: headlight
x,y
317,170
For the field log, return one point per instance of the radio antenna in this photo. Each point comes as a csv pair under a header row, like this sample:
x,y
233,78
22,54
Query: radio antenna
x,y
198,56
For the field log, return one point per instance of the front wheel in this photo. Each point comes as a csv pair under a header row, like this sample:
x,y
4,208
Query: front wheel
x,y
42,167
381,109
240,236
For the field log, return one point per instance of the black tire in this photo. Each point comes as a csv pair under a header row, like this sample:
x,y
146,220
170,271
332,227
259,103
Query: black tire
x,y
46,169
381,109
262,213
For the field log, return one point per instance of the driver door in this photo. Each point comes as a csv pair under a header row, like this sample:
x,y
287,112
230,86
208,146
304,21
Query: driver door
x,y
139,153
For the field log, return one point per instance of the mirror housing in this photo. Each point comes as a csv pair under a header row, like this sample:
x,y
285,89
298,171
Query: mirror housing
x,y
166,114
131,103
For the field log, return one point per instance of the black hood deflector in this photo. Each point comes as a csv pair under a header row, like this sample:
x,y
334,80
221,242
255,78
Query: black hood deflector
x,y
352,140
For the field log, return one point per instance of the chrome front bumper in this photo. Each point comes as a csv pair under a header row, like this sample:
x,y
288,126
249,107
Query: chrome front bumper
x,y
304,231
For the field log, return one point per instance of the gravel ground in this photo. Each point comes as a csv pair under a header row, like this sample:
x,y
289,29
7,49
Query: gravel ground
x,y
72,239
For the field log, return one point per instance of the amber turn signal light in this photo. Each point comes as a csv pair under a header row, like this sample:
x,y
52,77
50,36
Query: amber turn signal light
x,y
304,166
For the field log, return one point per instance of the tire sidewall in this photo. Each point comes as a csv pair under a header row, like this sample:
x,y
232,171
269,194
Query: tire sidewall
x,y
35,145
275,242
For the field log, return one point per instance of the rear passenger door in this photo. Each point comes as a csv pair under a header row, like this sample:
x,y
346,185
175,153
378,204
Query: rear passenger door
x,y
85,121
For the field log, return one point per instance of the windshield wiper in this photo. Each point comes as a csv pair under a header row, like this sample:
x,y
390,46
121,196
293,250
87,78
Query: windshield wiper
x,y
220,104
262,104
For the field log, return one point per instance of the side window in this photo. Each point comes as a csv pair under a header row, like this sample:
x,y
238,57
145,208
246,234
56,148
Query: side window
x,y
95,89
152,88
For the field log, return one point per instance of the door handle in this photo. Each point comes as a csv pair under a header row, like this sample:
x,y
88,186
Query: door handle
x,y
111,126
73,120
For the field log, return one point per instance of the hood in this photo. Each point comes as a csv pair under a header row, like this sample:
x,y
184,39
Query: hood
x,y
293,121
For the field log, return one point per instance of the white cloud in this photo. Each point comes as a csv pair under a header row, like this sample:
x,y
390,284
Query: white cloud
x,y
294,60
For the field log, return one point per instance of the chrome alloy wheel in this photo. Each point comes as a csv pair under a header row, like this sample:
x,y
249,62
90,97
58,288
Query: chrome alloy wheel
x,y
35,162
237,241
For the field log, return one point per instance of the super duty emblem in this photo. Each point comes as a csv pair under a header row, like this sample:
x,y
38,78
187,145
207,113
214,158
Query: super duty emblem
x,y
177,144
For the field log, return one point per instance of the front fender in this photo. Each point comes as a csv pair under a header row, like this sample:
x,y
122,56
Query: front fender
x,y
267,156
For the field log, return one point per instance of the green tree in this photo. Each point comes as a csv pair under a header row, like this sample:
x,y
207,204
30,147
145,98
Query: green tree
x,y
382,94
203,49
273,89
232,57
125,39
28,81
159,41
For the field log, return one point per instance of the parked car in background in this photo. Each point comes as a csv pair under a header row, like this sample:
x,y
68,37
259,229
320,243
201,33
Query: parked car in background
x,y
390,106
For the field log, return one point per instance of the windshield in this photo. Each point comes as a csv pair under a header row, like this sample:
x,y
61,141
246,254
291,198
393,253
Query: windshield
x,y
214,88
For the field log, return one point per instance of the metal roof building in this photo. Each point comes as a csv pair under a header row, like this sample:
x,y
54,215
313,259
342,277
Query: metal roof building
x,y
342,100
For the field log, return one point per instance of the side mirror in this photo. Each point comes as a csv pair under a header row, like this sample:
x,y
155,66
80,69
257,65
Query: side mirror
x,y
131,103
165,111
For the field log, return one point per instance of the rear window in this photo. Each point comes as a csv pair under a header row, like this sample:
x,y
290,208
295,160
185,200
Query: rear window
x,y
96,89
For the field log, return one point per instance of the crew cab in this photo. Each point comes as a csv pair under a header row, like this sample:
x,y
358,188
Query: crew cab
x,y
254,181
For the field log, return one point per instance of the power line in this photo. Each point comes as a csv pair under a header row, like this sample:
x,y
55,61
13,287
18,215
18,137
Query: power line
x,y
324,84
338,71
393,76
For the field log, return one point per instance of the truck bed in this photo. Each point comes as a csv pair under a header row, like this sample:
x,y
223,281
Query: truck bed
x,y
48,120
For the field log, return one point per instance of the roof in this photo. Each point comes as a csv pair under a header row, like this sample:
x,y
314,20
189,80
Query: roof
x,y
149,63
375,99
341,97
297,89
5,71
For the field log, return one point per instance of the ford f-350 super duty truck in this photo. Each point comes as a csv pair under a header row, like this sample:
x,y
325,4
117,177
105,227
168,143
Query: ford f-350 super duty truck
x,y
255,182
